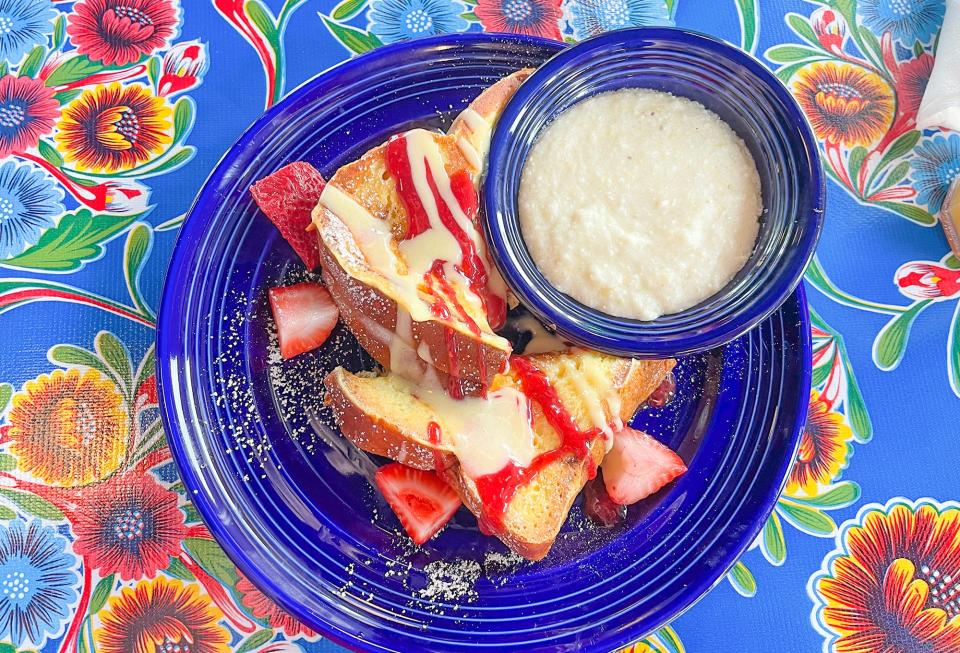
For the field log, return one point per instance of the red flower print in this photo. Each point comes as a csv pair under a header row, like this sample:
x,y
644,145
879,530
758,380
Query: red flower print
x,y
263,608
823,450
912,78
830,28
119,32
927,280
530,17
162,615
129,525
27,110
183,67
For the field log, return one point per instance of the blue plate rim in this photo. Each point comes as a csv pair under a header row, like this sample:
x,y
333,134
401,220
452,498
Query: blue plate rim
x,y
168,336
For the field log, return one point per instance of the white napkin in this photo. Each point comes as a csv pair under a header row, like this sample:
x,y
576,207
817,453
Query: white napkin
x,y
941,100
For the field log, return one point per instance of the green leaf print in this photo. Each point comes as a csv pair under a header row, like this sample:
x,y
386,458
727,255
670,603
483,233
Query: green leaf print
x,y
355,40
772,545
32,505
78,239
347,9
742,580
891,343
807,519
747,11
839,495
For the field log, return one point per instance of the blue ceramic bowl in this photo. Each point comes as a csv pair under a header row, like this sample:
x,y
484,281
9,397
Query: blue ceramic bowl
x,y
744,94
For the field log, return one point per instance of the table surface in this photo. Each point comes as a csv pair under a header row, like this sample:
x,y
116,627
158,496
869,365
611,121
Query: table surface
x,y
99,548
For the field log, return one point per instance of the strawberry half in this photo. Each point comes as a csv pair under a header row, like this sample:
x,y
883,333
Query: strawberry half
x,y
421,499
637,466
288,197
305,315
598,505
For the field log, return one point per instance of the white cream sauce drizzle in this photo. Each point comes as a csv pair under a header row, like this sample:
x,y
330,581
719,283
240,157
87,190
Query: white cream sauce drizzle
x,y
477,124
422,150
472,156
599,398
541,340
404,357
485,433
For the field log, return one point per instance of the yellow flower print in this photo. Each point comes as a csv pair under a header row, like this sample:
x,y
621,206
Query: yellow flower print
x,y
68,428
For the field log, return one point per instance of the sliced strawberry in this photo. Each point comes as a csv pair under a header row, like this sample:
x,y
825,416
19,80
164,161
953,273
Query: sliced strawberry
x,y
598,505
637,466
305,315
421,499
288,197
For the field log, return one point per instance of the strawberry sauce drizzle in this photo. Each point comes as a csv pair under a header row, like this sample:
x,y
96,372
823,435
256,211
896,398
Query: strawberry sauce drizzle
x,y
437,277
433,436
399,166
461,185
497,489
536,386
453,365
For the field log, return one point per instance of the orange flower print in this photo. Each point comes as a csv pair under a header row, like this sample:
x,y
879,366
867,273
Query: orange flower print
x,y
824,449
161,615
69,428
844,103
113,128
264,609
894,583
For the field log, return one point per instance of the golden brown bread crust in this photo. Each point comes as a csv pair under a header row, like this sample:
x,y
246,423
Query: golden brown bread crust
x,y
372,317
368,182
488,106
369,312
570,474
375,434
408,443
639,381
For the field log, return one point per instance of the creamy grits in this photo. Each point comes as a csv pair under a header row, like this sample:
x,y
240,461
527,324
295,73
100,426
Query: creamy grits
x,y
639,203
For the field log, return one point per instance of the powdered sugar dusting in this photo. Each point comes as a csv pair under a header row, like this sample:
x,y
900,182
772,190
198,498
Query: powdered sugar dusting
x,y
233,391
453,580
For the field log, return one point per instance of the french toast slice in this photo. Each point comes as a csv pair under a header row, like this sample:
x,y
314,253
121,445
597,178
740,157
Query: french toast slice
x,y
403,253
475,123
389,416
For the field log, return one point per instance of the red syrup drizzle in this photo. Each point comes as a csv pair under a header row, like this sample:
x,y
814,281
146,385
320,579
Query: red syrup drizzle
x,y
497,489
461,185
433,436
437,281
453,365
399,166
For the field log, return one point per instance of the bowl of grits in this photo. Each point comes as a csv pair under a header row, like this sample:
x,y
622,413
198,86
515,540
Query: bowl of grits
x,y
653,192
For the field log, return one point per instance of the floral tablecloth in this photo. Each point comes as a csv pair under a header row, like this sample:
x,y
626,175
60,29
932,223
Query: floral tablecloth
x,y
113,111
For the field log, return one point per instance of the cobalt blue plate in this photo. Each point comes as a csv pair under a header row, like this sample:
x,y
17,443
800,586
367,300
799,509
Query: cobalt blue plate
x,y
290,502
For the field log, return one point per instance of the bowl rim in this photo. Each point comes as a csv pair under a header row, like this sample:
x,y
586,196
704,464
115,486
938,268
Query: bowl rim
x,y
635,338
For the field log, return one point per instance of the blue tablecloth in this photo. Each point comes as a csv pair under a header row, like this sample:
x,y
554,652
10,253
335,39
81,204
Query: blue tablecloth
x,y
113,111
